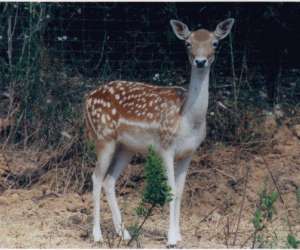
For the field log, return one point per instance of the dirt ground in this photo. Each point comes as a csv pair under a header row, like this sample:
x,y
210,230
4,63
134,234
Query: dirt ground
x,y
215,189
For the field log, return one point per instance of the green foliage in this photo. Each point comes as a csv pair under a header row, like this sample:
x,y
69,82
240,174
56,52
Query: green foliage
x,y
267,202
141,210
89,151
157,191
257,219
23,25
262,218
292,241
263,215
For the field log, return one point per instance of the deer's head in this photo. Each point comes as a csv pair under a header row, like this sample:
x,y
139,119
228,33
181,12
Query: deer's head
x,y
201,44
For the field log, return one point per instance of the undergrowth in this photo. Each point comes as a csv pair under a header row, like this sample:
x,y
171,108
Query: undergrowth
x,y
266,236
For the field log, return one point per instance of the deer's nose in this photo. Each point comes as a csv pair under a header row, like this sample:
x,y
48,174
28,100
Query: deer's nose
x,y
200,62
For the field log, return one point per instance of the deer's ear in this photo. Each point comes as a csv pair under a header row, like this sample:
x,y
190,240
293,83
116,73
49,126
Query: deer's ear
x,y
180,29
224,28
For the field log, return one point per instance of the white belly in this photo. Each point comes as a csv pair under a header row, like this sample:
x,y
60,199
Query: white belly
x,y
137,137
139,143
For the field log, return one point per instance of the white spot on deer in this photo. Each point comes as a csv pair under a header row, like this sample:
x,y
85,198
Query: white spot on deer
x,y
103,120
113,111
94,91
111,90
89,103
117,97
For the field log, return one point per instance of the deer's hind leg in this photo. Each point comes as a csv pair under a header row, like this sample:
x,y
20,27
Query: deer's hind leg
x,y
121,159
105,151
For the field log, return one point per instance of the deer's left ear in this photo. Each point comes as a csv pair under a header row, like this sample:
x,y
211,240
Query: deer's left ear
x,y
224,28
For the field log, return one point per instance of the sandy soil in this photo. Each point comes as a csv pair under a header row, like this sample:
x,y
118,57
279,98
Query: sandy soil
x,y
39,217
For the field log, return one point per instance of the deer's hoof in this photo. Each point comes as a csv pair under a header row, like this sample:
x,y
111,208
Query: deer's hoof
x,y
97,235
98,239
126,235
179,238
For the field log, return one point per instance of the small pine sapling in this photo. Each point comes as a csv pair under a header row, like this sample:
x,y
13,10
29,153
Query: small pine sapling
x,y
156,192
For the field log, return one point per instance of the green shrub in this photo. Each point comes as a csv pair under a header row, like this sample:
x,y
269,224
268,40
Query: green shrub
x,y
156,192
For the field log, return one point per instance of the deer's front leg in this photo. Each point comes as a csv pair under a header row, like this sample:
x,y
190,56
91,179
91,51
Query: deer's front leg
x,y
180,176
168,159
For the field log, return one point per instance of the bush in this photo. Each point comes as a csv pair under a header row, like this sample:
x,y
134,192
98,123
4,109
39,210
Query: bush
x,y
156,192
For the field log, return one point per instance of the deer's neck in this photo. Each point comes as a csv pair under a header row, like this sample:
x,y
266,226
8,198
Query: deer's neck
x,y
197,101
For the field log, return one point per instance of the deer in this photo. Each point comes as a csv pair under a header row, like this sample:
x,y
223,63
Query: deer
x,y
123,118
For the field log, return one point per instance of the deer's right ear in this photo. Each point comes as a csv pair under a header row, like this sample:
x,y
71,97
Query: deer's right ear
x,y
180,29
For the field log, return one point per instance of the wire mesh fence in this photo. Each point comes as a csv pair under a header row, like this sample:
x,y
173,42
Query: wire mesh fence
x,y
103,38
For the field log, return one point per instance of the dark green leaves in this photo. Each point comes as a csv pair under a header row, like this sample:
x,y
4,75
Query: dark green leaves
x,y
267,202
292,241
156,189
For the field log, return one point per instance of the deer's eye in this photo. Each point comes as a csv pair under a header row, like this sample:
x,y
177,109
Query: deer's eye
x,y
215,44
188,45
